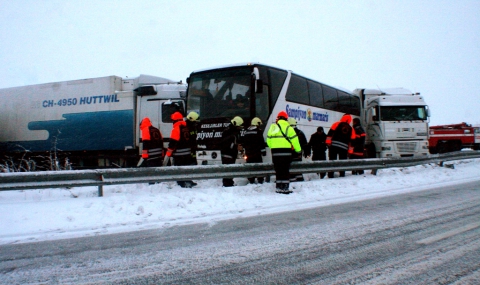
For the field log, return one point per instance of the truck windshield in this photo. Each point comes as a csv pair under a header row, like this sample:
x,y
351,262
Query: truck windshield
x,y
218,94
403,113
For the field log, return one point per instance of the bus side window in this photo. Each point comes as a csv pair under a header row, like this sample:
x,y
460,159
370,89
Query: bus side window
x,y
316,94
298,90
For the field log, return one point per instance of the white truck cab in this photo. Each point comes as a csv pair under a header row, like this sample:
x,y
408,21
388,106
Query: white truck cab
x,y
396,122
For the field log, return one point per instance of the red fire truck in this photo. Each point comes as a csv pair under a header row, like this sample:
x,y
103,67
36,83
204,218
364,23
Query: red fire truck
x,y
447,138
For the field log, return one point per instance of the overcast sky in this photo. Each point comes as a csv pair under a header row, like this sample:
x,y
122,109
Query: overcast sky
x,y
431,47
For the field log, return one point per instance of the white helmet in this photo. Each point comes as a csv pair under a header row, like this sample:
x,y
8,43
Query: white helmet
x,y
237,121
256,121
292,122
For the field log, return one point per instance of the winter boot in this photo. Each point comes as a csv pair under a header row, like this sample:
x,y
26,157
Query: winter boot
x,y
283,188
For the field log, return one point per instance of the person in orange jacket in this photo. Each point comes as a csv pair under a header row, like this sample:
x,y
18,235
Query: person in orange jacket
x,y
179,147
152,140
358,144
339,139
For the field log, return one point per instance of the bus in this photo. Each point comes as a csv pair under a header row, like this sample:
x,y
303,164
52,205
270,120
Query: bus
x,y
256,90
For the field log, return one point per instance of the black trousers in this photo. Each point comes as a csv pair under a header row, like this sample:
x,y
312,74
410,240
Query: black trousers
x,y
356,172
333,154
320,155
281,165
182,160
227,182
255,158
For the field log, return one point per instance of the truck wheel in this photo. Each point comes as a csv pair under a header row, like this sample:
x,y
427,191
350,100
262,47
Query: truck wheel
x,y
442,147
457,146
453,146
433,150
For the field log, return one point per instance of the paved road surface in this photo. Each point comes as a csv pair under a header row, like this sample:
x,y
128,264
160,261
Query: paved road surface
x,y
428,237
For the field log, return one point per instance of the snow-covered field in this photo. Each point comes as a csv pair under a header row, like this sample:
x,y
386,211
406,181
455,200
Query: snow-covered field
x,y
35,215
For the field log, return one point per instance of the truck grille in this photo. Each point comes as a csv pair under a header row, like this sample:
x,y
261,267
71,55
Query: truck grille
x,y
406,146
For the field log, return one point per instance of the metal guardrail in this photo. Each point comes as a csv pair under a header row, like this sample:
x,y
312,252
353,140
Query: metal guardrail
x,y
101,177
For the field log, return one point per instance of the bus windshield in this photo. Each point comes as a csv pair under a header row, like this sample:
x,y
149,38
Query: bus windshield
x,y
403,113
220,94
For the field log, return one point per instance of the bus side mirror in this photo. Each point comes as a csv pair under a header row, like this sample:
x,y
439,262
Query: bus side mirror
x,y
258,86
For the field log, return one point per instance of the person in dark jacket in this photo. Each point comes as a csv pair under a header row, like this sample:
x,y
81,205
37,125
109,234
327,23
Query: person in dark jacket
x,y
254,145
179,146
152,141
358,144
318,147
302,139
338,141
229,145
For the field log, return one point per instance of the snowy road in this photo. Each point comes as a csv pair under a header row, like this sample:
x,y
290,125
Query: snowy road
x,y
426,237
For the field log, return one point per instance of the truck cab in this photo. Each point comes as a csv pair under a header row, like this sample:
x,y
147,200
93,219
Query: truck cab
x,y
396,122
158,102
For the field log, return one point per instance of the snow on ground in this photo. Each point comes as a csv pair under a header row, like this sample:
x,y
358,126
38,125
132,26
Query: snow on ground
x,y
36,215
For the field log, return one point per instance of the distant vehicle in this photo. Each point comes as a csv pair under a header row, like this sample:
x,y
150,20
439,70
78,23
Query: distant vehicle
x,y
263,91
93,122
454,137
396,122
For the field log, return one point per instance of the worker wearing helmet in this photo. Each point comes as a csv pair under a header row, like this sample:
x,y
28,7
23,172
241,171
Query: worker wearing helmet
x,y
192,122
229,145
254,145
302,139
152,143
282,139
179,147
338,140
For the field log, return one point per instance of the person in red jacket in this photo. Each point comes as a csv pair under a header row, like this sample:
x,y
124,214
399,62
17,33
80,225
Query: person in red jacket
x,y
338,140
152,140
179,147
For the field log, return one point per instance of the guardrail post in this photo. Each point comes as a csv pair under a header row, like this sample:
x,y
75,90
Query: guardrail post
x,y
100,187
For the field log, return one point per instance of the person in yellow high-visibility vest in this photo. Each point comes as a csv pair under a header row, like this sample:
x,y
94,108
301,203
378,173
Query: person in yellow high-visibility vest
x,y
282,139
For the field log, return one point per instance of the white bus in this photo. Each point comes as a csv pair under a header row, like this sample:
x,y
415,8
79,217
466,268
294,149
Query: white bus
x,y
256,90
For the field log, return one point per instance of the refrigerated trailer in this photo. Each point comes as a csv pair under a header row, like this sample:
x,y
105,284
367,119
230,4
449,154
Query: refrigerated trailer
x,y
91,122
